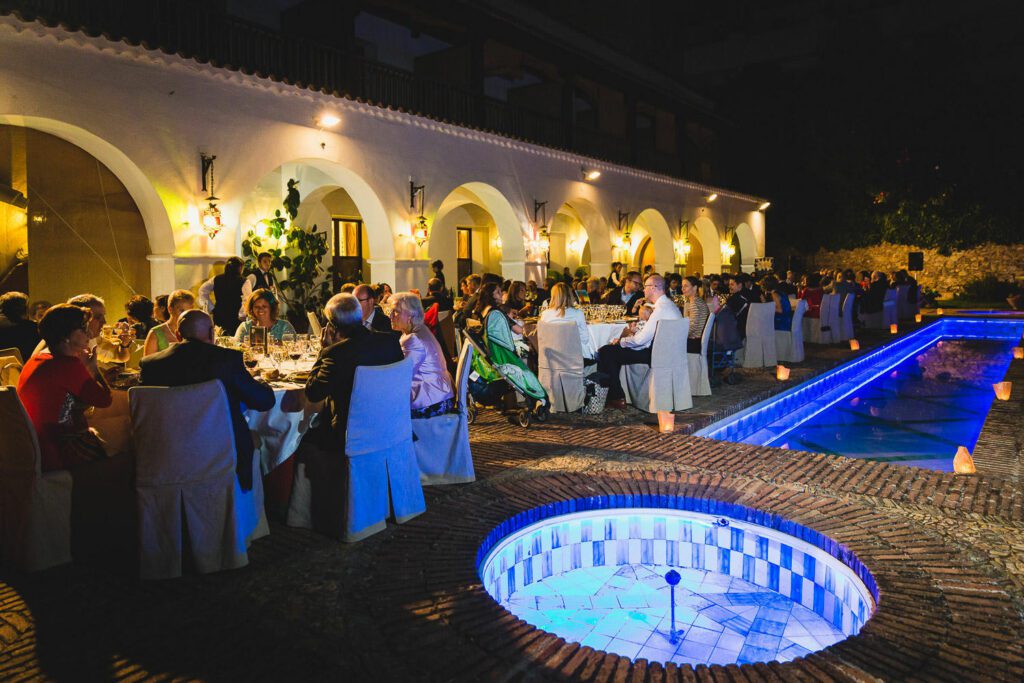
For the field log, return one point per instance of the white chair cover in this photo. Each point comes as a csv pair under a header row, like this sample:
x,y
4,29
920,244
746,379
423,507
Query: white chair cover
x,y
560,365
185,479
665,384
846,318
821,330
790,345
442,442
10,370
700,379
759,346
35,508
890,312
314,323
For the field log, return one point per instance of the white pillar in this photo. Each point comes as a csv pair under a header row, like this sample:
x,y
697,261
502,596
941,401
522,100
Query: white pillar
x,y
161,274
513,270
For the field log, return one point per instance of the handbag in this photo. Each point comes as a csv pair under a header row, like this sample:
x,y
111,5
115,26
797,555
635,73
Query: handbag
x,y
82,446
595,397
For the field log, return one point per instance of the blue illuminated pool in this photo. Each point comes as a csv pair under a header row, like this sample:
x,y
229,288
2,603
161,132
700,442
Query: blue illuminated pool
x,y
910,402
753,587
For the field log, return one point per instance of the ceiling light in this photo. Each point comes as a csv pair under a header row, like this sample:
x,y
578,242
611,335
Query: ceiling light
x,y
712,197
328,121
590,173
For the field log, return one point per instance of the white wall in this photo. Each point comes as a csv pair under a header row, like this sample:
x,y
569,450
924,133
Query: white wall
x,y
148,115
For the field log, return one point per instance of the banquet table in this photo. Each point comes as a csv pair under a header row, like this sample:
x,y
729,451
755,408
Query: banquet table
x,y
600,333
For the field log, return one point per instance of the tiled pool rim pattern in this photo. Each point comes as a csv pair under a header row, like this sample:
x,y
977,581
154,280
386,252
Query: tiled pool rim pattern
x,y
806,397
533,561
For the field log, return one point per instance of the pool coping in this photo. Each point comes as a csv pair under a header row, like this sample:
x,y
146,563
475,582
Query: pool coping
x,y
1000,446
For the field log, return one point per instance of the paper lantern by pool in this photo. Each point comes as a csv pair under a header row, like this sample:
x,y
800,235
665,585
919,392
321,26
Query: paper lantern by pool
x,y
781,373
938,311
1018,352
854,345
1003,390
893,329
917,318
963,463
666,421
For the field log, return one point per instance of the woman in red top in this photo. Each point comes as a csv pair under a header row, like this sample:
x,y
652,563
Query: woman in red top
x,y
58,386
812,293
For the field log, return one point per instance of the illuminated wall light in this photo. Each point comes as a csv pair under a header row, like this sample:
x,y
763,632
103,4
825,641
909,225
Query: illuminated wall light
x,y
573,246
1003,390
963,463
328,121
712,197
590,173
764,206
497,242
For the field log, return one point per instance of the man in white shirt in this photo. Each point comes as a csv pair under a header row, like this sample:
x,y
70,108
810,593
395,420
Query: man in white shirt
x,y
631,348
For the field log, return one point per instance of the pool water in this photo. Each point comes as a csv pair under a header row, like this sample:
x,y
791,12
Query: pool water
x,y
753,587
911,402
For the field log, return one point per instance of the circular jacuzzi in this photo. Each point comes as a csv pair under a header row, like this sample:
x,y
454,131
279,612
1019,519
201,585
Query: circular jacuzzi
x,y
675,579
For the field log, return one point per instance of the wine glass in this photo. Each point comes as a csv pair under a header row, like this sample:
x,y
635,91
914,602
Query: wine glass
x,y
250,358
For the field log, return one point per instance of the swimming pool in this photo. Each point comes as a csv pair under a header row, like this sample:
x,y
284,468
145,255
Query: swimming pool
x,y
910,402
751,586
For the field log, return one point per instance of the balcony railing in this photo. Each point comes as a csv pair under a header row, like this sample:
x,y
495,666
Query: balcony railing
x,y
194,31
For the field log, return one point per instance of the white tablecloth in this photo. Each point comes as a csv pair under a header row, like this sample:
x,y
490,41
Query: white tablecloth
x,y
602,333
279,430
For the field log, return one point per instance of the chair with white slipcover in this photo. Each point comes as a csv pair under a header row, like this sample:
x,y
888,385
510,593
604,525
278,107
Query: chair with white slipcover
x,y
560,366
665,383
379,463
314,323
820,330
185,481
10,370
700,376
759,345
890,310
35,507
442,442
15,353
790,344
905,309
846,318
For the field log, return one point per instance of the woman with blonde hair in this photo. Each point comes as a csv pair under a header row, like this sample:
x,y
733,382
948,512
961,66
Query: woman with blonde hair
x,y
432,393
562,308
162,336
262,308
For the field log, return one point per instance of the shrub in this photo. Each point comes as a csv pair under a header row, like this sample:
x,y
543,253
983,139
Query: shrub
x,y
988,288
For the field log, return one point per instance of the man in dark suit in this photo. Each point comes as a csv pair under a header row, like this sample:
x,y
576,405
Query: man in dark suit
x,y
196,360
630,294
373,318
436,294
739,303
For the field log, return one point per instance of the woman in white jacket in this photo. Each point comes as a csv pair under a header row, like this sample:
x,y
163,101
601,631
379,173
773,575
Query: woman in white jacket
x,y
562,308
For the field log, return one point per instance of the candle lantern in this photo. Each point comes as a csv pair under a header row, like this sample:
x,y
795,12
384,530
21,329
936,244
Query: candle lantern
x,y
963,463
666,421
781,373
917,318
938,311
854,345
1018,352
1002,390
893,329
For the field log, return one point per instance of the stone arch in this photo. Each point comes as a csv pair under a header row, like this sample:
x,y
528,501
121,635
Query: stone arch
x,y
584,223
710,243
143,193
318,178
654,225
476,201
748,247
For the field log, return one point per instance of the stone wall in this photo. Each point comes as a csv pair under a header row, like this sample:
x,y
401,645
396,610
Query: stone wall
x,y
945,274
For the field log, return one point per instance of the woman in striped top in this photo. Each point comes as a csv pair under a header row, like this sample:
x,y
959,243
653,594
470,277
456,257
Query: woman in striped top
x,y
696,309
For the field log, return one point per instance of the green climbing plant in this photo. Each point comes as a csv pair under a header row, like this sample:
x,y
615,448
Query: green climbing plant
x,y
306,285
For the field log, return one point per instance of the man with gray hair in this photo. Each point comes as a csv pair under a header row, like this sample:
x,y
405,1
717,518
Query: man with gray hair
x,y
346,345
634,346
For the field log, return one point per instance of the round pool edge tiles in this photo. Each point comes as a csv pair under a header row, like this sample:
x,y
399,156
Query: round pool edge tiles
x,y
761,556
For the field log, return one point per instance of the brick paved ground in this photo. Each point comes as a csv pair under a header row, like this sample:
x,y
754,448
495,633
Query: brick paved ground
x,y
947,552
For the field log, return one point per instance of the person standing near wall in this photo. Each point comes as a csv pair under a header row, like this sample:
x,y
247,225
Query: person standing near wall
x,y
229,291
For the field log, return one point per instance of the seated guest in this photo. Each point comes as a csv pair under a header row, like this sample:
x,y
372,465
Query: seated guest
x,y
503,340
139,314
373,318
739,303
16,330
431,384
635,348
469,298
696,310
162,336
262,308
562,307
383,291
874,299
630,294
593,290
118,351
783,307
37,309
436,294
675,285
197,359
812,294
347,288
750,287
59,384
160,308
515,304
347,344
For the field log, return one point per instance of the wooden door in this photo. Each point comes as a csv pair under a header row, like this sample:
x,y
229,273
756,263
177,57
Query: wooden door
x,y
348,251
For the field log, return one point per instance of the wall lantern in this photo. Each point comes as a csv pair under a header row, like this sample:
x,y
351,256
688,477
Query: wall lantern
x,y
574,246
327,121
589,174
542,240
210,217
728,251
963,463
682,245
1003,390
712,197
497,242
418,226
764,206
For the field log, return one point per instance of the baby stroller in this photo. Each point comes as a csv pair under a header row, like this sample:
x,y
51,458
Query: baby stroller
x,y
725,342
491,382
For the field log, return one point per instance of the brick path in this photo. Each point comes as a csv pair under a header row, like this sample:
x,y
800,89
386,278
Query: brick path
x,y
947,553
